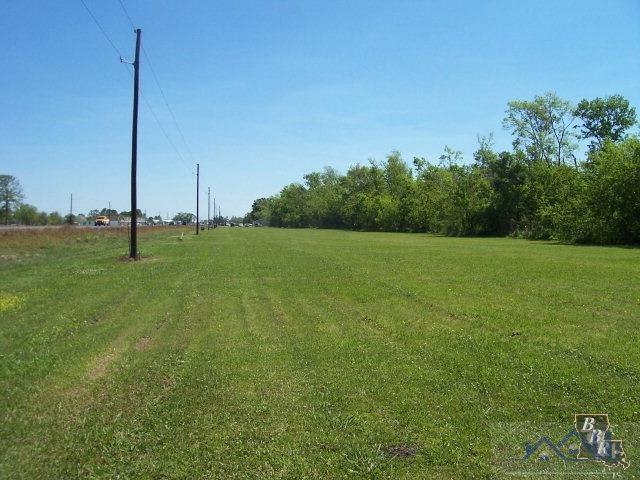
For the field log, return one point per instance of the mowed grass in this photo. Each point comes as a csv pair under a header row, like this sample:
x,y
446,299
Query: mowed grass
x,y
271,353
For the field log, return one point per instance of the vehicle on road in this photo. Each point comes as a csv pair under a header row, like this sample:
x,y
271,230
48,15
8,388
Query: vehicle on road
x,y
102,221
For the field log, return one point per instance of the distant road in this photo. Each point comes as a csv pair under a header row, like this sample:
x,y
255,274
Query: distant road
x,y
43,227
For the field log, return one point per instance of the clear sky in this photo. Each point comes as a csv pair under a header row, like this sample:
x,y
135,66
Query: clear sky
x,y
265,91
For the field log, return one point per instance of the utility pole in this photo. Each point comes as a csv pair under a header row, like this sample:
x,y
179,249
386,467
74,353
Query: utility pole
x,y
208,208
215,219
133,252
71,207
219,214
197,198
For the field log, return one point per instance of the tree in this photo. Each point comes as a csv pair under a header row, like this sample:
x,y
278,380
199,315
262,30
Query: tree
x,y
289,207
184,218
26,214
364,207
604,119
10,195
506,173
54,218
124,213
501,193
69,219
613,193
450,157
543,127
43,218
110,212
399,194
259,210
323,198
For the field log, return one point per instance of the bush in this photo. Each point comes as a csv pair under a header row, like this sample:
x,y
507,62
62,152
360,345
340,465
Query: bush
x,y
613,194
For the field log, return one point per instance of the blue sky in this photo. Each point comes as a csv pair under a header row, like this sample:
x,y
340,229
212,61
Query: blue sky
x,y
265,91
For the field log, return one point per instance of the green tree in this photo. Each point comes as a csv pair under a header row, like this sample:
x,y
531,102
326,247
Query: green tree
x,y
604,119
54,219
110,212
260,211
324,192
363,188
289,207
26,214
543,127
450,157
506,173
257,209
399,194
547,194
184,218
10,195
124,213
501,193
613,193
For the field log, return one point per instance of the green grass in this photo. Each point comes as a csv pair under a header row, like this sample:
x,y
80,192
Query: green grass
x,y
270,353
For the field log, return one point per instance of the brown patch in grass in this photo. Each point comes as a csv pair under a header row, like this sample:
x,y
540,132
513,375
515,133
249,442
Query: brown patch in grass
x,y
401,451
101,365
143,343
76,392
167,383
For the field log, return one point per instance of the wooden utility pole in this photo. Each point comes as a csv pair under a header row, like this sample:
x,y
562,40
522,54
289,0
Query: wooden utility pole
x,y
208,208
197,198
71,206
133,251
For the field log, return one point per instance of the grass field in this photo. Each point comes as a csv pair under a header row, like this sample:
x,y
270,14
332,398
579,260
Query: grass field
x,y
269,353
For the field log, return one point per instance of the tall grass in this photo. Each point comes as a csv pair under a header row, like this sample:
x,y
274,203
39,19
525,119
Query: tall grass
x,y
25,239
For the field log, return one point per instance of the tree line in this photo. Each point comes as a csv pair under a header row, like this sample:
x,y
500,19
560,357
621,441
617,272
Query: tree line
x,y
12,210
537,190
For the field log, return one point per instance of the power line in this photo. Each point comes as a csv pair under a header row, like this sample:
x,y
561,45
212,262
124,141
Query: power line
x,y
124,9
95,20
146,101
153,113
156,79
166,102
162,129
